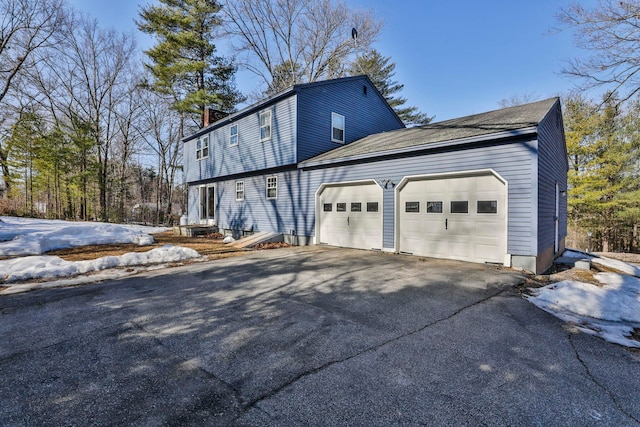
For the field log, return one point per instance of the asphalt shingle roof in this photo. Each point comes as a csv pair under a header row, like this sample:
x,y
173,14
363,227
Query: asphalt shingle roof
x,y
511,119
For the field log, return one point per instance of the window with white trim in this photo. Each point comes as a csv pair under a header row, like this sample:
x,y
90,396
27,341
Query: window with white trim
x,y
337,128
202,148
272,187
239,191
265,125
233,135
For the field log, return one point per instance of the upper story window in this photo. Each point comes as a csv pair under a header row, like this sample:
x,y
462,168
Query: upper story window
x,y
272,187
239,191
265,125
337,128
202,148
233,135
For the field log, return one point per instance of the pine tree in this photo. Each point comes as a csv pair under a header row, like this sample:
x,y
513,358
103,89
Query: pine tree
x,y
603,148
381,71
184,63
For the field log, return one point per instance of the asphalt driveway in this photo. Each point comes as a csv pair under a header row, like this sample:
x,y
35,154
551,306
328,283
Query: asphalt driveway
x,y
306,336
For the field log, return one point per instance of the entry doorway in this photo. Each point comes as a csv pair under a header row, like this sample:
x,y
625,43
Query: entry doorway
x,y
207,199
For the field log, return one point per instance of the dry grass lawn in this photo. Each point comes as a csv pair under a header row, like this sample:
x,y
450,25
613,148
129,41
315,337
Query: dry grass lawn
x,y
206,246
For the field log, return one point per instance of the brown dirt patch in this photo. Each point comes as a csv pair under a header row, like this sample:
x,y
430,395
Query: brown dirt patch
x,y
273,245
213,248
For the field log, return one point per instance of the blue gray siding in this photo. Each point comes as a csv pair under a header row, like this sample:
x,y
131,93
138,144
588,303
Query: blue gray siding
x,y
289,212
249,154
552,168
365,114
513,161
295,207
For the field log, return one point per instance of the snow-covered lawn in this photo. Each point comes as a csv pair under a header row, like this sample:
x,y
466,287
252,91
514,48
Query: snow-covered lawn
x,y
610,310
27,236
26,239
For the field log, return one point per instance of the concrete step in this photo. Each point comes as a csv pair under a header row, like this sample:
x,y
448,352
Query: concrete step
x,y
254,239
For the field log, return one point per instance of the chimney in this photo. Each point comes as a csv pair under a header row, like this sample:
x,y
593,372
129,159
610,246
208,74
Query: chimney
x,y
211,116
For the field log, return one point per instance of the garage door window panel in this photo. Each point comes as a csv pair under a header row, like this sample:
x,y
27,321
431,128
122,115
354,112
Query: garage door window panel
x,y
434,207
459,207
341,207
372,206
487,207
412,207
327,207
356,207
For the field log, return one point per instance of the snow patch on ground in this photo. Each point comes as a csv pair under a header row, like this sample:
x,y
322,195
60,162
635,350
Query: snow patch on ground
x,y
610,311
43,266
26,239
27,236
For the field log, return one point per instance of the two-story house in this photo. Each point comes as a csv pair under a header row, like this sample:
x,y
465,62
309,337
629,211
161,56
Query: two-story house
x,y
242,171
331,163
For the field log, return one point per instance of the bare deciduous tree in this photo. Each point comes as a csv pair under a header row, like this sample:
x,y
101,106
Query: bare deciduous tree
x,y
25,25
294,41
611,31
161,130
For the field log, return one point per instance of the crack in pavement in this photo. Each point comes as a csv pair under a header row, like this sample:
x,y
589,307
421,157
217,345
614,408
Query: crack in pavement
x,y
596,382
159,342
251,404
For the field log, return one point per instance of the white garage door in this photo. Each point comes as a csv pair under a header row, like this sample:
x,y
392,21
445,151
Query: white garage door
x,y
350,216
460,218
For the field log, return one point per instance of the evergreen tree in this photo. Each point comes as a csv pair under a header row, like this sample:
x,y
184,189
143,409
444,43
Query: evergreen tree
x,y
184,63
603,148
381,71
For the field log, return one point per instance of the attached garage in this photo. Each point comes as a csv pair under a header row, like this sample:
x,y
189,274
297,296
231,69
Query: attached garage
x,y
486,188
454,216
350,215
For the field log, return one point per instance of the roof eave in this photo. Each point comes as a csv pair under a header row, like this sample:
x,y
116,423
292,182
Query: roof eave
x,y
424,147
245,111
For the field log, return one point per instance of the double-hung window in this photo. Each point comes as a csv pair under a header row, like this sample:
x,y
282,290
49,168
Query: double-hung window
x,y
233,135
337,128
272,187
239,191
265,125
202,148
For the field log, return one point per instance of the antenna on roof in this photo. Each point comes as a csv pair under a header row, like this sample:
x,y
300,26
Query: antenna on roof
x,y
354,36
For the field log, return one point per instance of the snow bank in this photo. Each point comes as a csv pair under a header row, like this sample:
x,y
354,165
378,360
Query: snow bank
x,y
604,262
36,267
26,236
610,311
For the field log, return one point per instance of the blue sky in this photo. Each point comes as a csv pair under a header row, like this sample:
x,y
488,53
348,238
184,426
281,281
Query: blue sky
x,y
455,58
